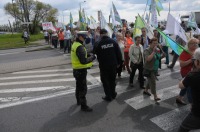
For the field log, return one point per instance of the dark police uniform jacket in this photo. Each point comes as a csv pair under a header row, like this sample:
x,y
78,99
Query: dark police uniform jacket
x,y
108,53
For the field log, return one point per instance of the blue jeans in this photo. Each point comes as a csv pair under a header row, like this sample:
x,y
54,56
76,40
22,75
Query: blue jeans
x,y
188,91
165,49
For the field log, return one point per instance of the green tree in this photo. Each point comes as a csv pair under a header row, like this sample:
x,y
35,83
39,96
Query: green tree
x,y
31,11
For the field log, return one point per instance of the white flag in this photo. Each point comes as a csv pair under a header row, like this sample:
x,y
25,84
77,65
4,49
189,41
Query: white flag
x,y
192,20
173,27
104,25
113,18
93,24
154,19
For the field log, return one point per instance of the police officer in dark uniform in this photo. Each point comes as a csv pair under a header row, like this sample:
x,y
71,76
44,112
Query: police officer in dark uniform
x,y
80,63
109,57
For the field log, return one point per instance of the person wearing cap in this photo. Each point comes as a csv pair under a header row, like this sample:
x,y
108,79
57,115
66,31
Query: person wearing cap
x,y
109,57
192,121
81,61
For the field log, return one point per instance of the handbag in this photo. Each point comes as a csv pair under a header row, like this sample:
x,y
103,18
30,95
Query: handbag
x,y
146,73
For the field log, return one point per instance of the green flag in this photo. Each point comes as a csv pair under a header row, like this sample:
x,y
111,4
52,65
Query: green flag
x,y
177,48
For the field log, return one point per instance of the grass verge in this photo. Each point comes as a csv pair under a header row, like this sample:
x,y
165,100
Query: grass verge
x,y
8,41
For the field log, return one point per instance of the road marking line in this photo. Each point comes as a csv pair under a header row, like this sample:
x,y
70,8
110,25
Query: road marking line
x,y
36,76
57,94
142,101
43,71
172,119
34,89
37,81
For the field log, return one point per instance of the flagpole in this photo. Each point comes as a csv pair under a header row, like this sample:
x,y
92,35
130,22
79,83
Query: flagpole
x,y
169,7
145,8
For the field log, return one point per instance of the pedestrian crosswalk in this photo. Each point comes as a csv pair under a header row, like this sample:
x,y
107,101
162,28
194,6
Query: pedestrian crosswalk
x,y
29,86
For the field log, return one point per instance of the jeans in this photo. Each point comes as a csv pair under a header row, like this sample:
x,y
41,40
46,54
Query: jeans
x,y
165,49
67,45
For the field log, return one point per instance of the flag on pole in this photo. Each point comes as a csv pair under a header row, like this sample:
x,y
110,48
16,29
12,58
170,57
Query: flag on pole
x,y
104,25
159,6
177,48
154,19
88,20
113,18
116,14
147,18
82,25
173,27
71,20
93,24
192,20
138,25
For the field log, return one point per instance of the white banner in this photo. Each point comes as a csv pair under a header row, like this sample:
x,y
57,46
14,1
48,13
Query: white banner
x,y
173,27
48,26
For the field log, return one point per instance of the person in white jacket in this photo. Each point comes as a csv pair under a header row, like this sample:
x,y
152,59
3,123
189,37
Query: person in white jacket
x,y
137,61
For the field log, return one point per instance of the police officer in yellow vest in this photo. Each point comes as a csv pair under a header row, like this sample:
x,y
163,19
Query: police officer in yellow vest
x,y
81,61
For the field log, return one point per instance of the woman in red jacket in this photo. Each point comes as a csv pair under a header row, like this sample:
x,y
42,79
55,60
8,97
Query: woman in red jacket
x,y
128,43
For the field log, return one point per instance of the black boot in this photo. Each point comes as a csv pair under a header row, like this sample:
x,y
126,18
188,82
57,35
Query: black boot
x,y
86,108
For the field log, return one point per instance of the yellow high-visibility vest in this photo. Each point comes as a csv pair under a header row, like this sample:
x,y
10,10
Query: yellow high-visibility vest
x,y
76,64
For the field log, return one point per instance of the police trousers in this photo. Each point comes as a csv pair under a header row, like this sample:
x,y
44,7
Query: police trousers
x,y
108,77
81,85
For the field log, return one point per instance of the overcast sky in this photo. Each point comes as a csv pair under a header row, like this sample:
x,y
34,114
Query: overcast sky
x,y
127,9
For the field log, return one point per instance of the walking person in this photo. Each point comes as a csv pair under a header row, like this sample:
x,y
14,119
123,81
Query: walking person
x,y
137,61
54,37
109,57
175,56
186,64
150,58
120,41
46,36
61,39
67,40
25,36
80,63
128,43
192,121
145,39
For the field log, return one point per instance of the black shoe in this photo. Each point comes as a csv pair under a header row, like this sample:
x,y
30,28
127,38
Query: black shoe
x,y
147,93
86,108
178,101
114,96
107,99
157,99
169,67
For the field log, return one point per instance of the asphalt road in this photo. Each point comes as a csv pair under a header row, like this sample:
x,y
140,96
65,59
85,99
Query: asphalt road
x,y
42,100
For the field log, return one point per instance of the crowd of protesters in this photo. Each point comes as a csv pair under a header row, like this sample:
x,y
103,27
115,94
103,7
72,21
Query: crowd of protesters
x,y
123,52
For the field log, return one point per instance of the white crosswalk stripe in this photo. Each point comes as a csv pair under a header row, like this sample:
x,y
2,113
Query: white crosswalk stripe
x,y
140,101
166,121
171,120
